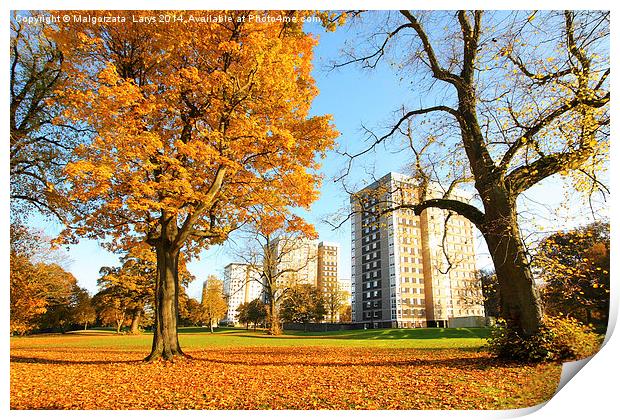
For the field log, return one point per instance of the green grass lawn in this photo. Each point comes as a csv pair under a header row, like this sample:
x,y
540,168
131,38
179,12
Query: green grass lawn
x,y
199,338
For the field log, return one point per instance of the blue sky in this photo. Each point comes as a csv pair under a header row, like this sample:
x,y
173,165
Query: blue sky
x,y
354,97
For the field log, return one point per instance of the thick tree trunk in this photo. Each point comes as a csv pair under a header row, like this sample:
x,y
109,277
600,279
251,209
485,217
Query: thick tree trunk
x,y
274,319
135,321
165,339
520,301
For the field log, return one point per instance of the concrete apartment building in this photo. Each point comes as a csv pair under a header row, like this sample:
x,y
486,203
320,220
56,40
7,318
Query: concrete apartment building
x,y
297,259
241,285
407,270
345,285
328,255
336,291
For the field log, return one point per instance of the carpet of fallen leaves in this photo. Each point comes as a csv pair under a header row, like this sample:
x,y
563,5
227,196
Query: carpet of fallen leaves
x,y
275,378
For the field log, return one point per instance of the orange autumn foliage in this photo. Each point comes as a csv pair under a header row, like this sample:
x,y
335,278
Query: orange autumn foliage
x,y
175,116
191,133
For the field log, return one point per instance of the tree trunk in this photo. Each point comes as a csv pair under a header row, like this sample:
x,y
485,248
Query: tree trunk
x,y
211,325
520,301
274,319
135,321
85,326
165,338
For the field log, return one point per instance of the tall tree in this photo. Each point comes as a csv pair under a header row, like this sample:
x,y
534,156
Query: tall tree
x,y
507,100
276,246
191,131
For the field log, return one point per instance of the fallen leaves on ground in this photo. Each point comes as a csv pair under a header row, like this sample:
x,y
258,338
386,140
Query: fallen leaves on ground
x,y
275,378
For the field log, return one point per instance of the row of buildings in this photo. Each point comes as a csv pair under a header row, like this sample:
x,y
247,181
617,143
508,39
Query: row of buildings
x,y
301,261
406,270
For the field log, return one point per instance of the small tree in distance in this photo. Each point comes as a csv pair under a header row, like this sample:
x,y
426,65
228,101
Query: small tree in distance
x,y
213,302
254,312
335,300
303,304
84,312
345,313
191,311
490,292
243,314
38,283
257,312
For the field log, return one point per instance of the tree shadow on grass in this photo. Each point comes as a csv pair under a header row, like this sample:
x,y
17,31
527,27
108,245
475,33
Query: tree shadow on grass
x,y
291,358
43,361
388,334
470,364
284,357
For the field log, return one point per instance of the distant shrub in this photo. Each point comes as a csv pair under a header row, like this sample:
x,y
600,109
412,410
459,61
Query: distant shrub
x,y
559,339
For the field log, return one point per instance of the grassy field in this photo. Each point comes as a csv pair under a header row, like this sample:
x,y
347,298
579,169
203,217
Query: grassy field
x,y
200,338
239,369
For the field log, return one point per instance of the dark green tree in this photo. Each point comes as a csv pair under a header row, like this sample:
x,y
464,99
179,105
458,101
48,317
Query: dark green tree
x,y
257,312
303,303
243,314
